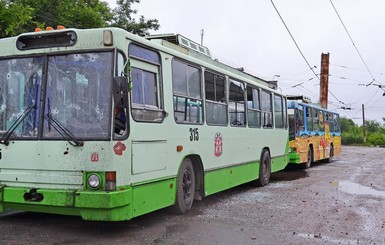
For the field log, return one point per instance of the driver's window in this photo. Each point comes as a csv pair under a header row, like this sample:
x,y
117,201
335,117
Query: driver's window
x,y
120,111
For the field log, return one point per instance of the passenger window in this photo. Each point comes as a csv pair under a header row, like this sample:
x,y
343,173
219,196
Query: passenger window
x,y
266,107
216,106
309,119
300,119
315,120
253,107
145,93
187,93
285,112
278,112
237,104
337,125
321,121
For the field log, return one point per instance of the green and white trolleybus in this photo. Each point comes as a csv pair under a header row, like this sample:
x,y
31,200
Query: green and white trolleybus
x,y
107,125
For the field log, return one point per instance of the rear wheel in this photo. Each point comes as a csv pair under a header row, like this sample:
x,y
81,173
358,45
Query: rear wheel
x,y
264,170
185,188
309,158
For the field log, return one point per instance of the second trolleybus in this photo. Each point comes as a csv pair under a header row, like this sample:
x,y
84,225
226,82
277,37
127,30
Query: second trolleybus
x,y
315,132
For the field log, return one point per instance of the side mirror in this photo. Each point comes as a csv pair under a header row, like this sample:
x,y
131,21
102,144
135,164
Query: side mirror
x,y
120,91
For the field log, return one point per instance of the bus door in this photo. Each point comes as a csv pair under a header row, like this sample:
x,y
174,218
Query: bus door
x,y
148,137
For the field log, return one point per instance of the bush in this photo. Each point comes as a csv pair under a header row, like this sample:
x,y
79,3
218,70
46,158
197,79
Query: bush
x,y
376,139
352,139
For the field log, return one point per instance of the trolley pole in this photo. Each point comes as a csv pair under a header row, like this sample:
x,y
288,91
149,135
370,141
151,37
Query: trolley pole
x,y
324,81
363,123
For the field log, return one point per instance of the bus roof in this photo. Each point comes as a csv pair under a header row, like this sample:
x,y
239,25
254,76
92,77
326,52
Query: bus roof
x,y
83,39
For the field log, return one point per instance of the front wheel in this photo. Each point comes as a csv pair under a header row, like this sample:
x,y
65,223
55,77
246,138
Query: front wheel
x,y
185,188
264,170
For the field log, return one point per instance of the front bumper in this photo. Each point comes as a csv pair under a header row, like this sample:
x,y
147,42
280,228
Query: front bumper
x,y
90,205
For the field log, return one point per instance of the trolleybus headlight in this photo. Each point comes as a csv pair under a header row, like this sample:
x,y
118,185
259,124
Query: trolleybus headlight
x,y
94,181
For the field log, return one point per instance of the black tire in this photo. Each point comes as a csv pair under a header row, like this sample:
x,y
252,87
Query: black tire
x,y
309,158
264,170
185,188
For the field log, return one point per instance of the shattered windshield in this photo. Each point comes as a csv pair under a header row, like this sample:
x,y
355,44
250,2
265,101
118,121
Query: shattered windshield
x,y
78,94
75,90
20,84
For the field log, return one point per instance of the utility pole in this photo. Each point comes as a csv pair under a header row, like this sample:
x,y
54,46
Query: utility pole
x,y
363,122
324,81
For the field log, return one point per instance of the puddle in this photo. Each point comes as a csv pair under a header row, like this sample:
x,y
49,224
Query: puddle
x,y
357,189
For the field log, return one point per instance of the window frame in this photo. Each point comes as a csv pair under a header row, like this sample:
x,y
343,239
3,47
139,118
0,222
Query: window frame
x,y
253,108
150,66
280,97
216,101
269,113
242,84
177,96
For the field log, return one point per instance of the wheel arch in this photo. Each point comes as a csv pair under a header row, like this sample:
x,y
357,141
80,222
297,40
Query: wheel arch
x,y
312,151
198,174
263,150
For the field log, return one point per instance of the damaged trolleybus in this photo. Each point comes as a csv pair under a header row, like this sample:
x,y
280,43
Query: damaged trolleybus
x,y
107,125
315,133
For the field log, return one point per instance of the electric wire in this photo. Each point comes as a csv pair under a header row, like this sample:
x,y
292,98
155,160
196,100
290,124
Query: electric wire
x,y
295,42
300,51
351,39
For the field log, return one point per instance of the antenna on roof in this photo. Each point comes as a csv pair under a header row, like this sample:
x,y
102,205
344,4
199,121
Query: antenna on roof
x,y
202,34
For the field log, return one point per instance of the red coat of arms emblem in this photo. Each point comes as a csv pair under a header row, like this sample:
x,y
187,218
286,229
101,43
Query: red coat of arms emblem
x,y
218,142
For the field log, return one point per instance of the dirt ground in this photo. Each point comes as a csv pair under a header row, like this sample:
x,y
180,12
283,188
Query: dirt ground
x,y
342,202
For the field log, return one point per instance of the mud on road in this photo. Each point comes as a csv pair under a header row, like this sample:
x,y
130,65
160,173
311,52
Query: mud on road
x,y
342,202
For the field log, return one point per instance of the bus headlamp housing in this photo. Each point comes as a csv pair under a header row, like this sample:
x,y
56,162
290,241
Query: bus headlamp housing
x,y
100,181
93,181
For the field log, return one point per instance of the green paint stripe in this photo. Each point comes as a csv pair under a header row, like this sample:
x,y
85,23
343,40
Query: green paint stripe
x,y
154,196
225,178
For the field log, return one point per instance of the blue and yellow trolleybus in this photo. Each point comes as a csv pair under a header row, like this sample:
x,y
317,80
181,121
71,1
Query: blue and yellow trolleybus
x,y
315,133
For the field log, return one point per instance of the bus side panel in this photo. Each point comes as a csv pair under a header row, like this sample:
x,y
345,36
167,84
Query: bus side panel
x,y
279,163
337,145
153,196
222,179
301,145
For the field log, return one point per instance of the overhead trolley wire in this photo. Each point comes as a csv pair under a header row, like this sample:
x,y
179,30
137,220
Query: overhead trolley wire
x,y
300,51
287,28
351,39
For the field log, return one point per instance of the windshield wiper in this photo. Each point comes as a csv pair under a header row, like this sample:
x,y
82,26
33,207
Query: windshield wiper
x,y
5,139
63,131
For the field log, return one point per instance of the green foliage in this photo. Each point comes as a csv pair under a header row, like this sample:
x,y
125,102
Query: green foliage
x,y
123,18
20,16
373,126
13,17
352,139
353,134
376,139
347,124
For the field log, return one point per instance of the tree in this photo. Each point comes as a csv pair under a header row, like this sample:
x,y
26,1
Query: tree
x,y
20,16
347,124
123,18
372,126
14,17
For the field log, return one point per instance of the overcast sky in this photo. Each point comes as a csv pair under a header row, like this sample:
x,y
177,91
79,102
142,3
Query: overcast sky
x,y
250,34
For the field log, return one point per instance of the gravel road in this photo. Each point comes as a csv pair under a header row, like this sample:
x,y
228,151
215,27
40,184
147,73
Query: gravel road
x,y
342,202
